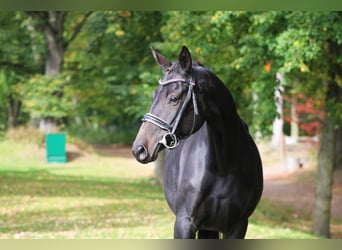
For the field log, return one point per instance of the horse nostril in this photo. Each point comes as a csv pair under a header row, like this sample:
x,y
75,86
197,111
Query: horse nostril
x,y
141,153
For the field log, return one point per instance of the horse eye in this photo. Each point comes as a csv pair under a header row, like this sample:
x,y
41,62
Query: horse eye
x,y
173,100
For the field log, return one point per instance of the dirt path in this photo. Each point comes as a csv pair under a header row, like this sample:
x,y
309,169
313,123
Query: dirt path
x,y
292,180
297,189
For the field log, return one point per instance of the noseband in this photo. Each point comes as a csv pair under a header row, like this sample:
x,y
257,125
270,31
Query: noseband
x,y
170,139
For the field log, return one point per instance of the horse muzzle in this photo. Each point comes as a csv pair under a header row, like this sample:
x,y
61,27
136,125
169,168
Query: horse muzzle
x,y
143,155
140,153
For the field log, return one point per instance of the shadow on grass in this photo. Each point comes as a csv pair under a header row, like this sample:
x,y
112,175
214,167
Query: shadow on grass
x,y
73,155
42,183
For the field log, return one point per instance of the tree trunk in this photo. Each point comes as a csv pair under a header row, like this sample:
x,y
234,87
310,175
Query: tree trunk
x,y
294,119
53,31
277,141
13,107
326,155
324,180
338,149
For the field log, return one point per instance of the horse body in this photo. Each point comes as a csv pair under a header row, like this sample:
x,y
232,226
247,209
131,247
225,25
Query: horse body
x,y
213,178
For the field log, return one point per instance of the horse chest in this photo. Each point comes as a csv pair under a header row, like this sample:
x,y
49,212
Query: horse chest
x,y
203,199
188,183
182,187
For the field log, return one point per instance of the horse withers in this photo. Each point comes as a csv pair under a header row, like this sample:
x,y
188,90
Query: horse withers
x,y
213,172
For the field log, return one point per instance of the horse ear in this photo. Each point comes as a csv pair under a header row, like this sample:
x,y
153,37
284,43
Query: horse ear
x,y
185,59
163,62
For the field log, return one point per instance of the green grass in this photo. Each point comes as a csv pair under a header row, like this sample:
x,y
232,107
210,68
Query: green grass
x,y
41,205
95,196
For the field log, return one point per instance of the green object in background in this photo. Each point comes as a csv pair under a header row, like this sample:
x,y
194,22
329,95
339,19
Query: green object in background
x,y
55,148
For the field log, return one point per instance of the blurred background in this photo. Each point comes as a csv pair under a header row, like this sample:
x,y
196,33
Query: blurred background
x,y
90,75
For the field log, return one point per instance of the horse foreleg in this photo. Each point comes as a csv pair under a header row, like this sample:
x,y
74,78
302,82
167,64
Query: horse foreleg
x,y
184,228
239,230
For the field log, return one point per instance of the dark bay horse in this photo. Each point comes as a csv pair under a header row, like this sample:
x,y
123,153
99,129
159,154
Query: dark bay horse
x,y
213,173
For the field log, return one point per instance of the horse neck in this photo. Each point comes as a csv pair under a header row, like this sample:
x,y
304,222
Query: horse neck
x,y
225,129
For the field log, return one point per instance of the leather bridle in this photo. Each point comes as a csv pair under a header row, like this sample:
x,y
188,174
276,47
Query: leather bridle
x,y
170,140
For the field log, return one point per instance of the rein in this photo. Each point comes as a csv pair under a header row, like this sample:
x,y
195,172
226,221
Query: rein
x,y
170,139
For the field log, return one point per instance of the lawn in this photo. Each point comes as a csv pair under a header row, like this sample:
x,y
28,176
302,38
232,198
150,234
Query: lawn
x,y
97,196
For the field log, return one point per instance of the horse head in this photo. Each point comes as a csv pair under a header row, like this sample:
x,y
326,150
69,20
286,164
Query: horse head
x,y
175,110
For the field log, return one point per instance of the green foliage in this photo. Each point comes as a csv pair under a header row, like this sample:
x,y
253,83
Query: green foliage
x,y
334,109
291,43
109,74
17,61
263,106
42,96
6,88
111,135
109,64
18,47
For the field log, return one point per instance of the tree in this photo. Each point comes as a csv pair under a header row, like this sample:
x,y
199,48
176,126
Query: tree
x,y
300,50
111,63
17,62
327,153
57,39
